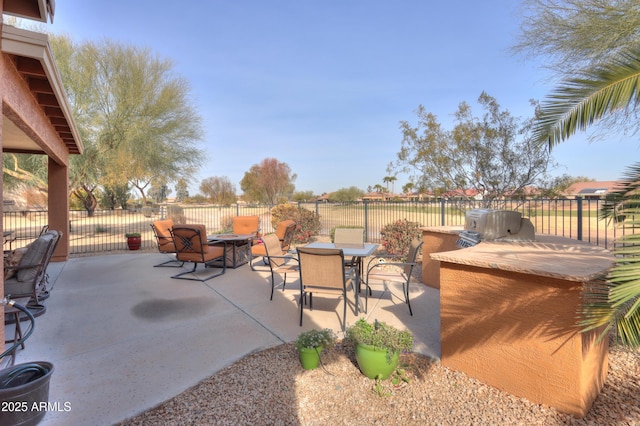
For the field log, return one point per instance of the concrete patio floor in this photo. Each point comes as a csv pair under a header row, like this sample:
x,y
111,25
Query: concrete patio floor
x,y
124,337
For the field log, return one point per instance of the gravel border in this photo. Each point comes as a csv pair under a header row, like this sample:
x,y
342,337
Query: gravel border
x,y
270,387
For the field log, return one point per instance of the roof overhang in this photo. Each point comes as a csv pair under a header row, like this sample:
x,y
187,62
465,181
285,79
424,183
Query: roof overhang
x,y
37,10
34,61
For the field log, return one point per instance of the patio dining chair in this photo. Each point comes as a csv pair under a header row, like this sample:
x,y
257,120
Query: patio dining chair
x,y
191,245
353,237
393,272
279,262
284,231
164,239
322,270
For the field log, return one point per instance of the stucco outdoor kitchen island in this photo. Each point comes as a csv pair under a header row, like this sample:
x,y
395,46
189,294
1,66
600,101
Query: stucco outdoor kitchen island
x,y
508,315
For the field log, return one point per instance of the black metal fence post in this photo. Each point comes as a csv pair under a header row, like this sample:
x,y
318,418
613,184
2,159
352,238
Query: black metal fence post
x,y
579,207
442,218
366,220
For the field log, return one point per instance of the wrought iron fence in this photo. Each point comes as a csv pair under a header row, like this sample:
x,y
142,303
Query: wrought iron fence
x,y
104,230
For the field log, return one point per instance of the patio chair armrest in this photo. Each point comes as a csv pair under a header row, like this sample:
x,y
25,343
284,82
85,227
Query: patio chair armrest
x,y
19,267
400,264
287,258
377,258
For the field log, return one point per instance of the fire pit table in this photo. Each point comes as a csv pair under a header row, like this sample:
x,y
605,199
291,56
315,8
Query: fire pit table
x,y
237,251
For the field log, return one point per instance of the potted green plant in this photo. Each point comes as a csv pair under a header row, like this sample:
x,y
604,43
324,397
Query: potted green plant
x,y
311,343
378,347
134,240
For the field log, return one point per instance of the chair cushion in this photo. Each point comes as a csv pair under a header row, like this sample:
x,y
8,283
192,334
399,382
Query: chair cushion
x,y
258,249
163,232
12,260
246,225
17,288
34,256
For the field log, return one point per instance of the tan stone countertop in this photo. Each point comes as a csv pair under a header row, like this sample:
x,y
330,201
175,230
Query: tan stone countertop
x,y
443,229
549,256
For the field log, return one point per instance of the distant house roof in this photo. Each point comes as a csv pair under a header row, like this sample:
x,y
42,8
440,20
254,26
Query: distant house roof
x,y
592,188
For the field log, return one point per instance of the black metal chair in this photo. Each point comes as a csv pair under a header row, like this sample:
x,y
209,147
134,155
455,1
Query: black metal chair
x,y
191,245
395,272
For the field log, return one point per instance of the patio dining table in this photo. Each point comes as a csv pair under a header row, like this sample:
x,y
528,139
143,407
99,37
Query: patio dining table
x,y
358,252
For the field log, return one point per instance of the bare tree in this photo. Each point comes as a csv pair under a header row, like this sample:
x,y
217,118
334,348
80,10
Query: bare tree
x,y
492,155
270,182
219,190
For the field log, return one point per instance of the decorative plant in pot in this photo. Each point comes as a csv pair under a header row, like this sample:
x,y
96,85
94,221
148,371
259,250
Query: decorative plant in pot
x,y
378,347
311,343
134,240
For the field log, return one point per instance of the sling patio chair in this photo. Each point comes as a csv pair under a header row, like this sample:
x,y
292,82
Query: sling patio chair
x,y
279,262
352,237
322,270
162,233
393,272
191,245
284,231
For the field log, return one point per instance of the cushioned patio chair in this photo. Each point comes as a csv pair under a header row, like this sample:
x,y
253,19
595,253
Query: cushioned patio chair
x,y
162,233
279,262
322,271
191,245
284,231
244,225
27,276
394,272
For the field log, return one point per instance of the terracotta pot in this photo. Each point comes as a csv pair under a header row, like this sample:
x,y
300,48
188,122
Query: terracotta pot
x,y
134,243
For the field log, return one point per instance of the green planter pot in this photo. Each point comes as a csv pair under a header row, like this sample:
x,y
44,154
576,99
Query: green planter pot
x,y
373,362
310,357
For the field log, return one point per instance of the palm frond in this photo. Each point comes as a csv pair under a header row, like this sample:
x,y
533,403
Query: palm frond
x,y
614,302
579,102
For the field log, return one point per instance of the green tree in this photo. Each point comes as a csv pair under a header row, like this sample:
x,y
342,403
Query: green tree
x,y
133,114
392,180
576,104
303,196
408,187
270,182
558,185
573,35
346,195
114,196
219,190
493,154
182,191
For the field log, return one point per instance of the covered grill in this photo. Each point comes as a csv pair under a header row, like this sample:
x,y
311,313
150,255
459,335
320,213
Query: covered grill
x,y
490,225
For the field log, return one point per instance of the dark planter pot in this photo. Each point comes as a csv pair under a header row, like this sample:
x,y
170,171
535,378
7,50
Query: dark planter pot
x,y
134,243
373,362
25,393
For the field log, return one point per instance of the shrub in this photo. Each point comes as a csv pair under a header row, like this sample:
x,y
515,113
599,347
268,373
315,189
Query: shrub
x,y
307,222
396,237
147,211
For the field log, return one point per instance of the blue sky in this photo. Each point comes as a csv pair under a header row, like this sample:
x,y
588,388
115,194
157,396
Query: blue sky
x,y
323,86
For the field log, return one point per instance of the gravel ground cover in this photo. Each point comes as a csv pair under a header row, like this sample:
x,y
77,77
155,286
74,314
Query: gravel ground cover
x,y
270,387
